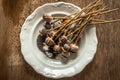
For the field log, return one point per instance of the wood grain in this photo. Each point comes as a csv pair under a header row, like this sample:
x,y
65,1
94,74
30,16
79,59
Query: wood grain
x,y
105,65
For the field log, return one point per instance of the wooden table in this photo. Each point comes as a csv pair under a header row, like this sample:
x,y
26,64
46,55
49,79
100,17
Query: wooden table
x,y
105,65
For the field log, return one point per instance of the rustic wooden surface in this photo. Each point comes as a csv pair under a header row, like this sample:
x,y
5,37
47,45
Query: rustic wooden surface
x,y
105,65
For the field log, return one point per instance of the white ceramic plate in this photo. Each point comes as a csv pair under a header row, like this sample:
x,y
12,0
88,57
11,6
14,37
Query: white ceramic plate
x,y
42,64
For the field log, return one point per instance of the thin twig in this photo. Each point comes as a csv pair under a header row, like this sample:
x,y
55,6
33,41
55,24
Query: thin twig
x,y
117,20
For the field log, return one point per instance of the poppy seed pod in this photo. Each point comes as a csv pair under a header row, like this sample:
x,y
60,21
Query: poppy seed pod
x,y
47,25
66,47
57,48
43,33
47,17
74,48
51,33
62,58
49,41
63,39
57,24
66,54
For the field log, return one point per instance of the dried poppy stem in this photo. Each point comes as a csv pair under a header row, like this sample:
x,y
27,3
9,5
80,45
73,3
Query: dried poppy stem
x,y
98,20
99,3
76,16
81,18
96,13
82,29
76,34
104,21
86,22
80,32
57,27
112,10
66,17
71,22
74,37
68,27
76,20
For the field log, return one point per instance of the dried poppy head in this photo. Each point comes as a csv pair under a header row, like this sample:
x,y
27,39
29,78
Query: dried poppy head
x,y
63,39
74,48
47,25
47,17
49,41
56,48
67,54
57,24
66,47
62,58
43,33
51,33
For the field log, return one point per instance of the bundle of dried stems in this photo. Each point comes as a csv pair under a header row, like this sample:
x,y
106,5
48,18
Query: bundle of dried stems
x,y
63,38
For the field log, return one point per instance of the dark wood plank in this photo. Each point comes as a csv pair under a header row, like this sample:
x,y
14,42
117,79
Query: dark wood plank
x,y
105,65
